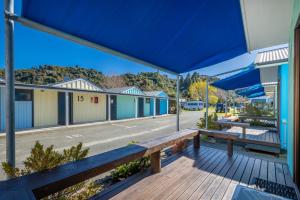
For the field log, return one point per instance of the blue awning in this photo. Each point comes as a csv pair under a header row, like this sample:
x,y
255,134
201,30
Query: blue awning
x,y
250,90
176,35
259,94
246,78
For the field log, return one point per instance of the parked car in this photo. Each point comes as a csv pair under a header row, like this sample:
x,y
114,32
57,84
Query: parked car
x,y
193,105
220,108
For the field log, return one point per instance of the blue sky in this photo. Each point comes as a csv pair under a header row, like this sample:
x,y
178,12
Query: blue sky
x,y
33,48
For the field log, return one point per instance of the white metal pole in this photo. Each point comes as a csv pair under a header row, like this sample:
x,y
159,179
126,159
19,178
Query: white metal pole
x,y
154,107
136,107
206,104
67,108
177,104
10,87
226,103
109,107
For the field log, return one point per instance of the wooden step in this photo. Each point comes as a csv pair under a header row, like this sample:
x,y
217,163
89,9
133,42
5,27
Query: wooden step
x,y
257,147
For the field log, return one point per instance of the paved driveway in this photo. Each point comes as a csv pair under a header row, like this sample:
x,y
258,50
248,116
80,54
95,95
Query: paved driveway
x,y
104,137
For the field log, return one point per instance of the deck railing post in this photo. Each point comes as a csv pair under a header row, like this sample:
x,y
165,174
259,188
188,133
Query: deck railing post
x,y
230,148
155,162
197,141
10,87
177,104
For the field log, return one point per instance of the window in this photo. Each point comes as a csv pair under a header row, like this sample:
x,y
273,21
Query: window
x,y
147,100
23,95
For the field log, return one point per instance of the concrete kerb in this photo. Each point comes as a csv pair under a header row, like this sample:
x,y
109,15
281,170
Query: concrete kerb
x,y
75,126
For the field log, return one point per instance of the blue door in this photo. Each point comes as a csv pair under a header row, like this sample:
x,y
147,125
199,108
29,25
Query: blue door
x,y
23,109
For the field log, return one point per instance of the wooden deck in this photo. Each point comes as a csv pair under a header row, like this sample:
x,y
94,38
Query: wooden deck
x,y
203,174
258,136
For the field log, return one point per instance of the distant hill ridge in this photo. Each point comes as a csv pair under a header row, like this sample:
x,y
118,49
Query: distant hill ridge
x,y
48,74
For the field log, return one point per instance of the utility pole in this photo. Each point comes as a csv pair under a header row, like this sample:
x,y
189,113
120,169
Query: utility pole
x,y
10,81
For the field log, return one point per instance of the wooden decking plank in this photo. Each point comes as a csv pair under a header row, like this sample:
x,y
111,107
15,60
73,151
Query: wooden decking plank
x,y
217,181
287,176
187,183
121,186
208,176
208,181
271,172
247,173
162,193
193,187
255,171
279,173
236,178
226,181
151,189
264,170
150,181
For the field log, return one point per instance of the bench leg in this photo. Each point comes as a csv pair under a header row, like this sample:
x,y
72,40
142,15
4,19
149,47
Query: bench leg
x,y
155,162
244,132
197,141
230,148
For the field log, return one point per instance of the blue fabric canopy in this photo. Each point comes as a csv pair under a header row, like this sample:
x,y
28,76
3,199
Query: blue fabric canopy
x,y
176,35
246,78
250,90
259,94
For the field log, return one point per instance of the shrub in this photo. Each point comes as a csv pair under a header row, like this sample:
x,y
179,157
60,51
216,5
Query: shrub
x,y
262,124
128,169
41,159
211,122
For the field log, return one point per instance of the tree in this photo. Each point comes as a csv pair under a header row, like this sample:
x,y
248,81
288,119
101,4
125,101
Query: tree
x,y
197,91
114,81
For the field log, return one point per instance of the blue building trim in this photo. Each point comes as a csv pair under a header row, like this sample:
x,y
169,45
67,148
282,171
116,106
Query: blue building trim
x,y
284,98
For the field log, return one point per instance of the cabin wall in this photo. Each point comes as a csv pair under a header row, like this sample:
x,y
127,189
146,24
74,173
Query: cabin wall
x,y
284,98
290,154
125,107
45,108
86,108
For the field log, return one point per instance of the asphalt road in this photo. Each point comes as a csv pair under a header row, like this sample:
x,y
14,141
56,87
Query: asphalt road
x,y
104,137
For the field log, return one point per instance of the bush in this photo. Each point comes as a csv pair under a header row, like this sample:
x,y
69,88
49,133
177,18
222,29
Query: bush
x,y
262,124
126,170
211,122
41,159
252,111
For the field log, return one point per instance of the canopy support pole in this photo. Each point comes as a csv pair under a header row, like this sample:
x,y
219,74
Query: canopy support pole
x,y
206,104
177,104
10,87
226,103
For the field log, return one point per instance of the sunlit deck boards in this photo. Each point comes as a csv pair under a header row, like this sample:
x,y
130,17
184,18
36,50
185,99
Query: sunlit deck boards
x,y
258,136
207,174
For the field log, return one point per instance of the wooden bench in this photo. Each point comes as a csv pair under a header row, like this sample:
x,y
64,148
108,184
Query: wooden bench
x,y
42,184
230,137
223,123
